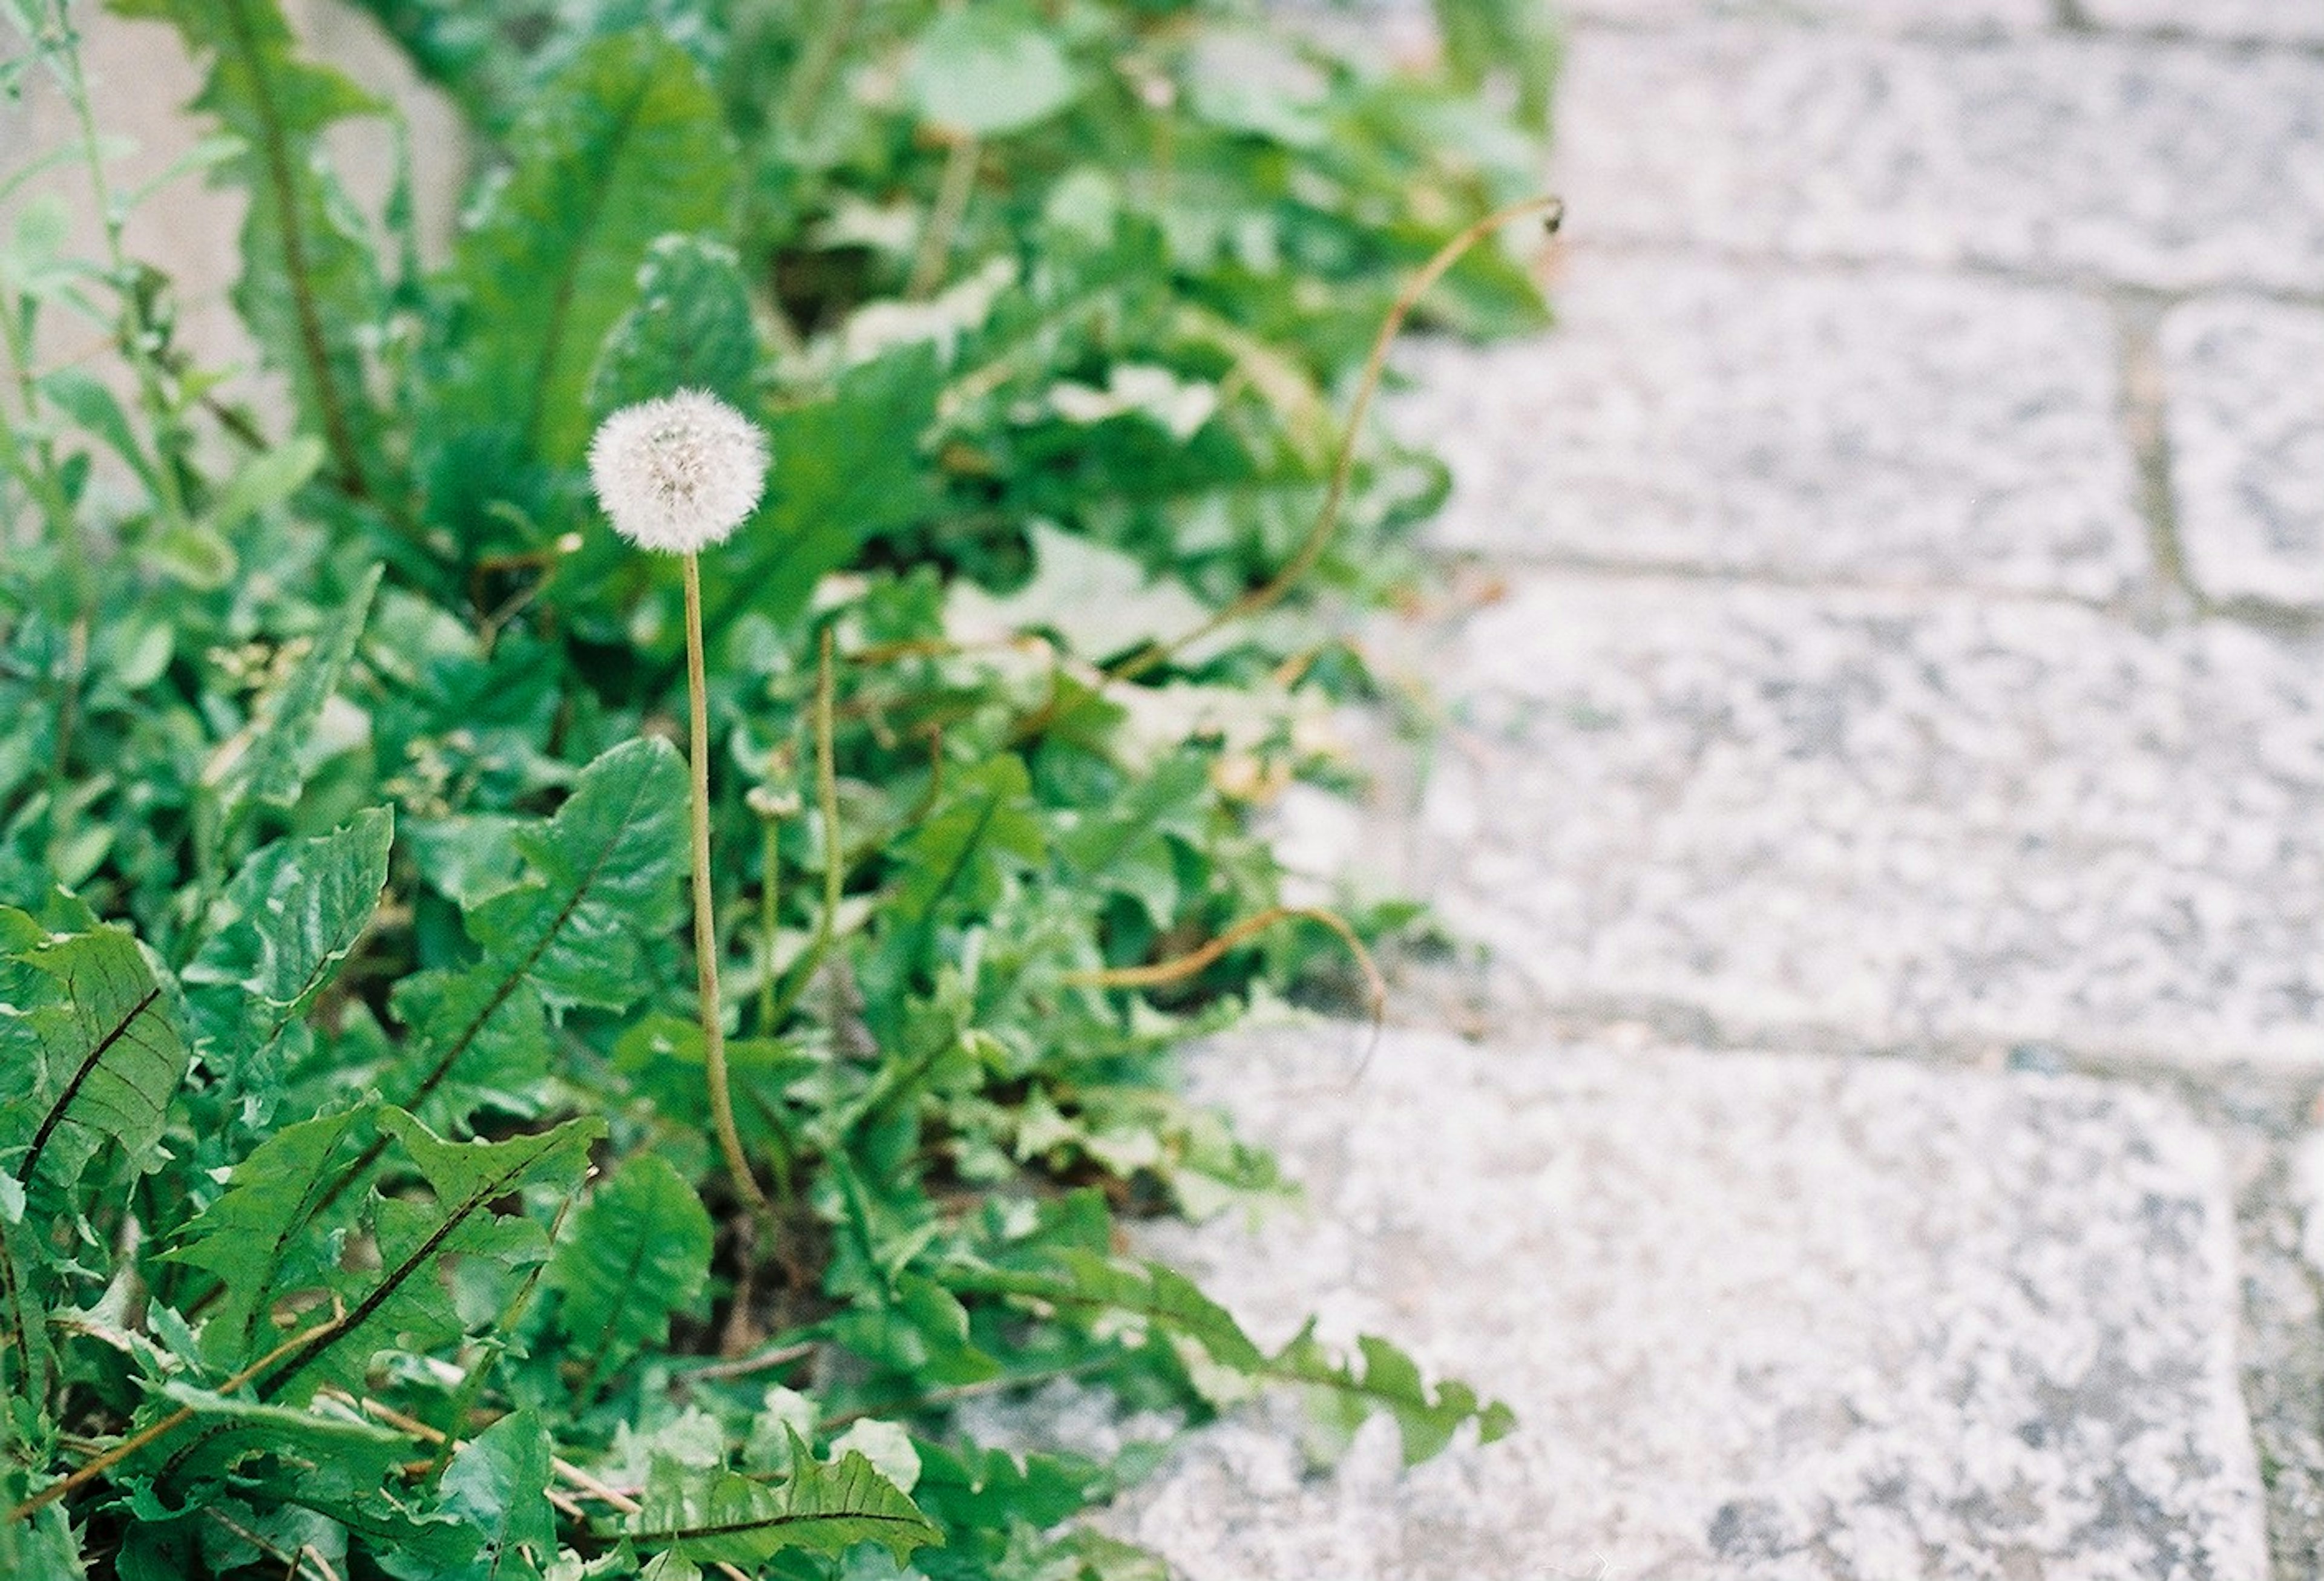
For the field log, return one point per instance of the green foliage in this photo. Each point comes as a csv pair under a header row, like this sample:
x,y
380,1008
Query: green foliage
x,y
311,282
715,1515
640,1251
94,1047
357,1201
624,145
600,884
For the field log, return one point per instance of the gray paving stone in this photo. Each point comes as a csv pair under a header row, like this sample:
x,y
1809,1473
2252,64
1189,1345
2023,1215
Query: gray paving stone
x,y
2283,21
1760,1317
1913,819
2245,389
1881,426
1972,17
2168,166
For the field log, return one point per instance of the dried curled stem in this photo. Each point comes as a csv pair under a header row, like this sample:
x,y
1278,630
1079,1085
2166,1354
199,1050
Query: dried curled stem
x,y
1310,548
1179,968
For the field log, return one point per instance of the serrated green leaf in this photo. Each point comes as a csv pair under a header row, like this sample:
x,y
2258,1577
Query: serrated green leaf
x,y
958,855
99,1038
1133,1302
331,1451
627,144
98,411
402,1303
605,871
690,329
638,1251
603,879
498,1485
310,289
480,1035
272,1233
269,766
1387,1379
299,907
27,1358
971,1489
715,1515
42,1548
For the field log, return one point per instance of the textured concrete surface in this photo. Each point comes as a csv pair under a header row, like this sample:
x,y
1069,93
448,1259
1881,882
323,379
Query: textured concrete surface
x,y
2289,21
1886,616
1873,425
1972,18
1909,817
1760,1317
2147,163
2245,389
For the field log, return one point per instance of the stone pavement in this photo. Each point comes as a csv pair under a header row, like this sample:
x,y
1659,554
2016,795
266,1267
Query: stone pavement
x,y
1882,807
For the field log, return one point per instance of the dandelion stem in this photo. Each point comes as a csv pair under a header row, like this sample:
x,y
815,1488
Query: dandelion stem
x,y
705,930
953,188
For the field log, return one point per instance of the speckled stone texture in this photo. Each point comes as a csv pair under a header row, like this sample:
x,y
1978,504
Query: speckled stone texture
x,y
1908,818
2245,389
2285,21
1879,426
1760,1317
1973,18
2160,165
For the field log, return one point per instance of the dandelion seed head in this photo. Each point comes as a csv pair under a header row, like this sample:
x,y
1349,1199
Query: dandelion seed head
x,y
679,473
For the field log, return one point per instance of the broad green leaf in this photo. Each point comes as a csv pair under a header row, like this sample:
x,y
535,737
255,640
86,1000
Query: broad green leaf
x,y
603,879
985,828
267,479
1486,37
638,1251
266,765
311,288
1125,844
968,1489
846,469
99,1039
326,1451
990,69
402,1541
627,144
402,1303
713,1515
605,871
99,412
42,1548
273,1233
26,1357
690,329
1134,1303
1386,1379
299,907
498,1483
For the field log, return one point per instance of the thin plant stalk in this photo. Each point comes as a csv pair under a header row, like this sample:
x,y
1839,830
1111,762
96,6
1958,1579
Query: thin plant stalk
x,y
769,915
835,847
705,928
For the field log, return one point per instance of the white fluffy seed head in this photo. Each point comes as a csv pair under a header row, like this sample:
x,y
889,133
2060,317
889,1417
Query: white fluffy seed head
x,y
678,474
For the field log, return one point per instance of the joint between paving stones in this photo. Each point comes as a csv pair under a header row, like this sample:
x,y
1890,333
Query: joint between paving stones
x,y
2281,1355
2156,299
2144,412
1581,563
